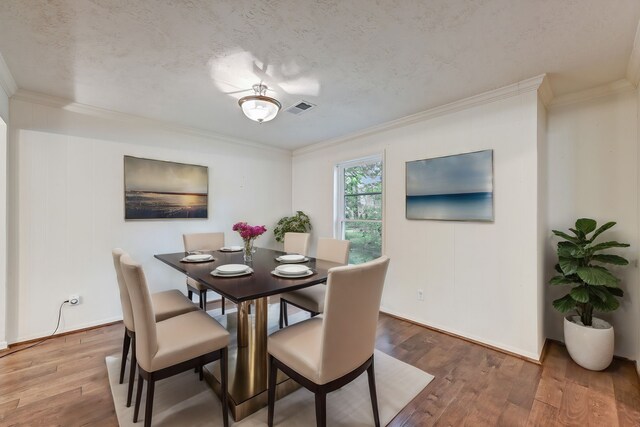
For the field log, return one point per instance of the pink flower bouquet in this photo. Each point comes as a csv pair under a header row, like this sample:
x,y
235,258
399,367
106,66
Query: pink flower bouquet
x,y
248,234
247,231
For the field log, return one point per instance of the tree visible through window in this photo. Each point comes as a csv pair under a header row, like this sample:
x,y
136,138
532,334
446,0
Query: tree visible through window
x,y
359,204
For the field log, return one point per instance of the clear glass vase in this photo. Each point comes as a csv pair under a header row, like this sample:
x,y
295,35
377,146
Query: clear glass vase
x,y
248,250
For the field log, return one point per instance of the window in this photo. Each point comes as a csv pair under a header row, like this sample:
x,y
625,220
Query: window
x,y
359,207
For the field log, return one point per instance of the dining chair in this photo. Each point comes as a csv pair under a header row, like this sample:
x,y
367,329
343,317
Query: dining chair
x,y
172,346
296,243
327,352
166,304
311,299
202,242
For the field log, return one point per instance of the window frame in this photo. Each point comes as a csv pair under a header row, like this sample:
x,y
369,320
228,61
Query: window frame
x,y
339,196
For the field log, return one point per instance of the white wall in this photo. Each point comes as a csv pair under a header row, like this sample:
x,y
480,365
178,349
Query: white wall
x,y
593,172
543,223
4,106
4,119
7,88
3,230
480,280
67,209
638,248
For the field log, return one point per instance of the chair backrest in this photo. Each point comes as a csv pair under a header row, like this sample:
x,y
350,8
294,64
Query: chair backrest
x,y
333,250
203,241
146,335
296,243
125,300
350,316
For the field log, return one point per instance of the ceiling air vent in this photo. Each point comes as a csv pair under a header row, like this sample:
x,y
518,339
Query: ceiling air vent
x,y
300,107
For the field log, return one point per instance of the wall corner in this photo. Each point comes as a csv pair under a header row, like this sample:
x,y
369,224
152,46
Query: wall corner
x,y
545,93
633,67
544,98
8,87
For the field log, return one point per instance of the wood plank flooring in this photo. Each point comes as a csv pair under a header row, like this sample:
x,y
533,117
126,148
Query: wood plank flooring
x,y
64,382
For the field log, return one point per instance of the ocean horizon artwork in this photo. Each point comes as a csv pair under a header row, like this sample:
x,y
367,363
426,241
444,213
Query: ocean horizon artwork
x,y
451,188
157,189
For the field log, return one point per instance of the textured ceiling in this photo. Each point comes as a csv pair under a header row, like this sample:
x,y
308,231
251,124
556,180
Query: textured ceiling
x,y
362,63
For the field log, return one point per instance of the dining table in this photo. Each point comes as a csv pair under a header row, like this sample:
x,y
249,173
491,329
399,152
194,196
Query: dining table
x,y
247,373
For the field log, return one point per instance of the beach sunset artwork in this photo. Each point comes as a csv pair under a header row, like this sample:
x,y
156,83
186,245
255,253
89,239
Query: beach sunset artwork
x,y
155,189
452,188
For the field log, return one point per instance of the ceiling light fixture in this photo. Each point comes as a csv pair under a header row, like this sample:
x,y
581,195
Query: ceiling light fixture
x,y
259,107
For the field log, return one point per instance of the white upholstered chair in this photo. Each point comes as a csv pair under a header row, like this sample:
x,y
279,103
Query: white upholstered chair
x,y
311,299
202,242
327,352
172,346
296,243
166,304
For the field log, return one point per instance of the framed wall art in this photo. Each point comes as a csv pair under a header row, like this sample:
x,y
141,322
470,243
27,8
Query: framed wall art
x,y
156,189
451,188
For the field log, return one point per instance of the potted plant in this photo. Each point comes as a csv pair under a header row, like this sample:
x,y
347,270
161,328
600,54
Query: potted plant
x,y
298,223
589,340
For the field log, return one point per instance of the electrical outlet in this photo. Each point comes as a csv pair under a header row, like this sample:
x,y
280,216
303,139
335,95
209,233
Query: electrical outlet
x,y
74,299
420,295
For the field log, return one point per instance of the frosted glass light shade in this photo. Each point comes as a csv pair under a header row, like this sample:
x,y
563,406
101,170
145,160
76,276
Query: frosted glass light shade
x,y
259,108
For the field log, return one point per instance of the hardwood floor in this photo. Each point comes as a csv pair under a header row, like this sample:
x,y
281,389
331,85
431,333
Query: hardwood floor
x,y
64,382
477,386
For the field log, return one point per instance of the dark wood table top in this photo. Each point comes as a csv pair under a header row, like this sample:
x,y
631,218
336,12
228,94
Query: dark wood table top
x,y
261,283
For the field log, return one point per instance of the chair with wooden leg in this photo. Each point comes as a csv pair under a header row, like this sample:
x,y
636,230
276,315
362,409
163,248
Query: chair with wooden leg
x,y
172,346
327,352
296,243
166,304
202,242
311,299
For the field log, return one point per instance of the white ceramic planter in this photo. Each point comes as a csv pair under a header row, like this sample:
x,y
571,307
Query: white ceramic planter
x,y
589,347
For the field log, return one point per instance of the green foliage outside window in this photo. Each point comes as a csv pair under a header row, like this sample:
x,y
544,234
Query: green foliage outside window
x,y
363,204
366,241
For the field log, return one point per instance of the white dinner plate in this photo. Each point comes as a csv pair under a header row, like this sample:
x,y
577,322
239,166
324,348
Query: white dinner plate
x,y
231,268
291,276
292,269
216,273
231,248
292,258
198,258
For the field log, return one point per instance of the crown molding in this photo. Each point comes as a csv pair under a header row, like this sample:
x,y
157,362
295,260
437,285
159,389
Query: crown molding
x,y
545,92
619,86
7,82
528,85
103,113
633,68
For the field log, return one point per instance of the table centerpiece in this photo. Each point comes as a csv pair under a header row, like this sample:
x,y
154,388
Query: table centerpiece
x,y
249,233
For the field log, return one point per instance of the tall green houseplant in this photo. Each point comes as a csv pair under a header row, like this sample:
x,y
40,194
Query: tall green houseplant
x,y
298,223
581,266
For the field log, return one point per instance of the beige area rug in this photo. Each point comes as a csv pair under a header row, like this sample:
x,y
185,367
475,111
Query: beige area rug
x,y
183,400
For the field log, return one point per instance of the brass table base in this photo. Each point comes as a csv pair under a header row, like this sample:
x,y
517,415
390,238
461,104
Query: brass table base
x,y
241,410
247,382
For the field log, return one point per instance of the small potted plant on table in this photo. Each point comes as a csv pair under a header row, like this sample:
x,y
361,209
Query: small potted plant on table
x,y
589,339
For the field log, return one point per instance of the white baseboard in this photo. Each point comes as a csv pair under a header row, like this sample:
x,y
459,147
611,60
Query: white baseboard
x,y
67,329
480,340
638,367
3,345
